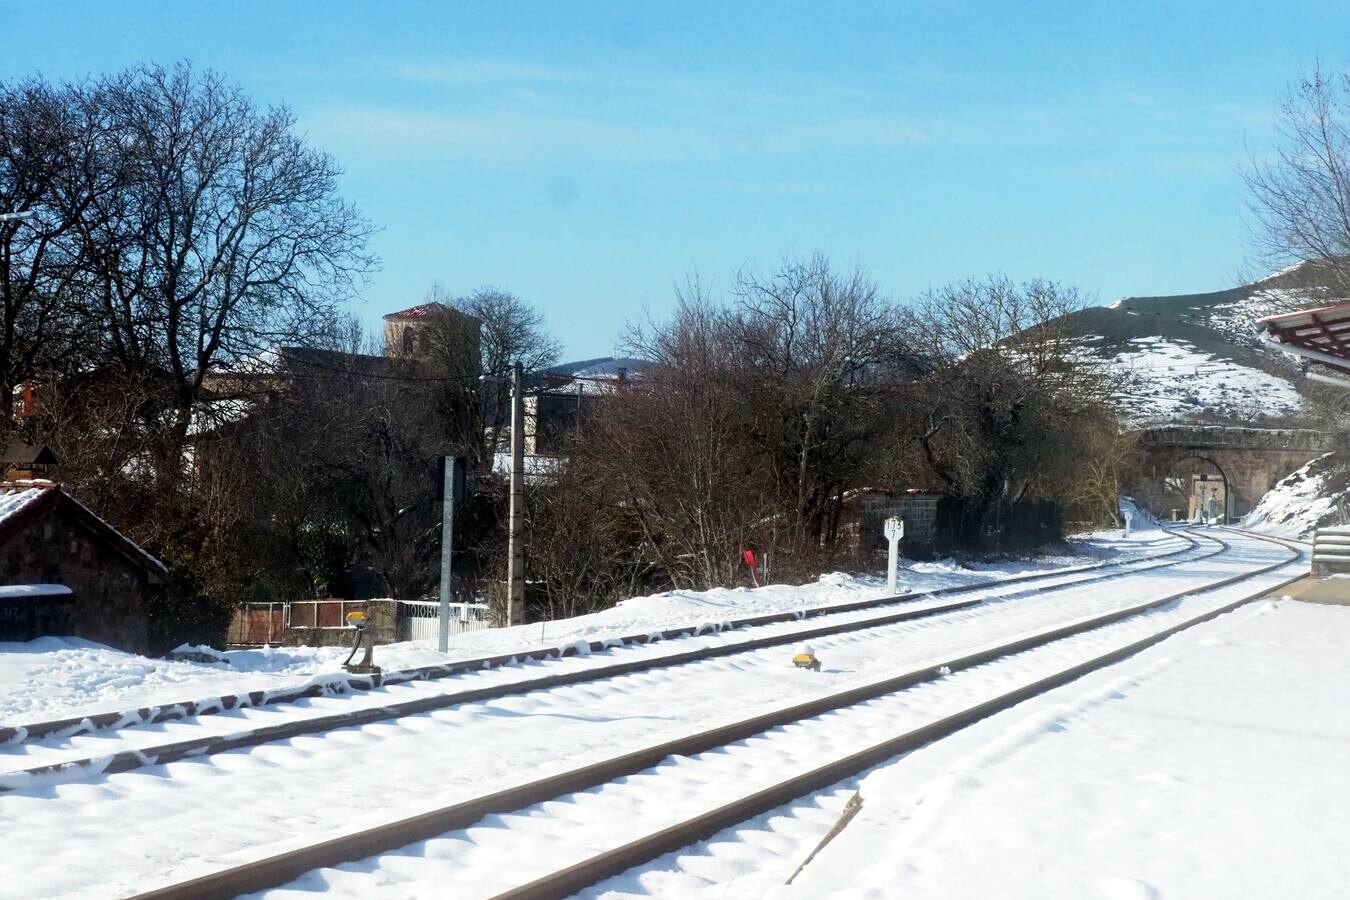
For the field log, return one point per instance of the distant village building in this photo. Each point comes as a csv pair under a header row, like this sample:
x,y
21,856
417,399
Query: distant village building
x,y
433,330
563,397
64,570
415,339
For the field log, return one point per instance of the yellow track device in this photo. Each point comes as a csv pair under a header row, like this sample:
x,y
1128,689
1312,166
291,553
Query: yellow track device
x,y
805,658
357,621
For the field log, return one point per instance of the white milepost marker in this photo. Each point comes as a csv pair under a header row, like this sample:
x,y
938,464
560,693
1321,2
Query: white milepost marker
x,y
1129,514
895,530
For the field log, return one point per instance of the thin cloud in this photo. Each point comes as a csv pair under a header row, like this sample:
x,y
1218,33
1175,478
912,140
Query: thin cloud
x,y
481,72
659,85
512,135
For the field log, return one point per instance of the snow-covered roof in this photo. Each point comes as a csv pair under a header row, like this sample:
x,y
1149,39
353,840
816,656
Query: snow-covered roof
x,y
18,496
596,375
24,591
414,313
21,501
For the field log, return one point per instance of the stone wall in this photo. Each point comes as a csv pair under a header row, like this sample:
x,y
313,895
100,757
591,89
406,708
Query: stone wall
x,y
110,593
26,617
1251,460
1231,437
860,525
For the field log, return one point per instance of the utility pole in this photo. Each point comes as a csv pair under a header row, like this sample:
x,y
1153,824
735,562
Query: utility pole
x,y
515,572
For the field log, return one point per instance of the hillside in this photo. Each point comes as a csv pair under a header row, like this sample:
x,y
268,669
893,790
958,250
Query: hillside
x,y
1196,357
1304,500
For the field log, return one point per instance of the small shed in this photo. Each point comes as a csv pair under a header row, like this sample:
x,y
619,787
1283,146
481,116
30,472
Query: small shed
x,y
64,570
865,509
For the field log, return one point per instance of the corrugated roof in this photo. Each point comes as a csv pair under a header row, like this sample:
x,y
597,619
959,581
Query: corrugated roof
x,y
1321,335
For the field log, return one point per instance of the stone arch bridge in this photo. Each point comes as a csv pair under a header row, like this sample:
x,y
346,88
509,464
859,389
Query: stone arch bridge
x,y
1246,462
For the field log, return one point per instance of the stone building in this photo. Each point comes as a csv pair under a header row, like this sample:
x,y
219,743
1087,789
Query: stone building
x,y
864,510
64,570
433,330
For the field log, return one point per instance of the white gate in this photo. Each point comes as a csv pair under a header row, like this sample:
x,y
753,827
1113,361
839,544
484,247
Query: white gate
x,y
419,620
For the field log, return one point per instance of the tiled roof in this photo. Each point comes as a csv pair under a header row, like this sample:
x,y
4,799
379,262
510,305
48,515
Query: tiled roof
x,y
424,311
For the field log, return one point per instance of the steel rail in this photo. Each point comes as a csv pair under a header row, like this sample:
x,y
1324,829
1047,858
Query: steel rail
x,y
284,867
1287,541
175,750
167,712
570,879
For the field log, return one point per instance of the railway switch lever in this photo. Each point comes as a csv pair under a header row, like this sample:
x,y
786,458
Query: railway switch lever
x,y
359,622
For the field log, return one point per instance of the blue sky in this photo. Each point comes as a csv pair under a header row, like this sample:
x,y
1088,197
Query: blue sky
x,y
590,156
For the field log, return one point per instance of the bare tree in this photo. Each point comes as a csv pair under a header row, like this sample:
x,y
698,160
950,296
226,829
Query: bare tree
x,y
1300,195
224,234
756,417
675,460
46,136
823,352
1007,407
475,361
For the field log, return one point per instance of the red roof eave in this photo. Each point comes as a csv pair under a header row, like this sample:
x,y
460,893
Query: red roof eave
x,y
1321,335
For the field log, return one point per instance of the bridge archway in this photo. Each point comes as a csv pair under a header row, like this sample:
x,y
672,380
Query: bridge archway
x,y
1243,463
1199,489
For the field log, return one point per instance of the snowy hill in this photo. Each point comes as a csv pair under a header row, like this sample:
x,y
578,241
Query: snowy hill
x,y
1303,500
1196,356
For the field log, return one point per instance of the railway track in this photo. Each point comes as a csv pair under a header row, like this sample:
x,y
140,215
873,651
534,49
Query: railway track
x,y
78,757
186,709
880,719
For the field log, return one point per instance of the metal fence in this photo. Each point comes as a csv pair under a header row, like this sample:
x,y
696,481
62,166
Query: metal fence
x,y
257,623
323,621
321,613
419,620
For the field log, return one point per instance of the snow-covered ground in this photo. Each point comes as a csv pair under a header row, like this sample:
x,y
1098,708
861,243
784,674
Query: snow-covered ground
x,y
1165,379
54,678
1212,765
1300,501
92,834
1237,320
753,862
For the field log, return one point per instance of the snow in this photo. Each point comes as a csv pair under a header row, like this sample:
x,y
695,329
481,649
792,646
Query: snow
x,y
1298,503
1287,270
58,677
15,591
1237,321
113,834
12,500
1210,766
752,861
1138,516
1165,379
539,467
